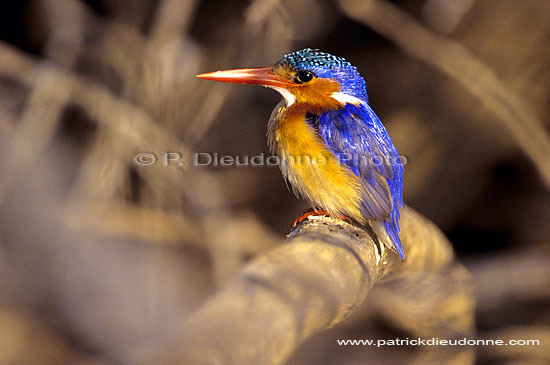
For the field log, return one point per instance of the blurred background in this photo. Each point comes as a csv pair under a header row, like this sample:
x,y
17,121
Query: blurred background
x,y
100,253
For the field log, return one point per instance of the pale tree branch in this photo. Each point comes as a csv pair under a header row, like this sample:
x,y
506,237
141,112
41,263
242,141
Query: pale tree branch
x,y
316,279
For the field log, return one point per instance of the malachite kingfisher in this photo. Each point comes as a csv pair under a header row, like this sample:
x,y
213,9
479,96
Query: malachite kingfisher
x,y
333,149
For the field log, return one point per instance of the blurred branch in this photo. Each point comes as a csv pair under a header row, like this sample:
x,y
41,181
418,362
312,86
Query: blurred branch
x,y
523,276
172,19
131,221
67,22
311,283
118,219
456,61
127,120
259,14
206,114
140,133
36,127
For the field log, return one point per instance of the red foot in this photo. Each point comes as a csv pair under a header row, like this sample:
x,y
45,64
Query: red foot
x,y
318,212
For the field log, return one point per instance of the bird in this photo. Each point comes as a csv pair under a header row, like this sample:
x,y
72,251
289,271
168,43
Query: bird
x,y
333,149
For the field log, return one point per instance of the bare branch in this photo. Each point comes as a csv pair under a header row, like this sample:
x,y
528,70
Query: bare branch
x,y
172,229
172,19
67,22
36,128
130,122
311,283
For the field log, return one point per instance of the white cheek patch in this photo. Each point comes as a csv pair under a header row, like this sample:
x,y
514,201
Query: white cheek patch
x,y
287,95
340,97
346,99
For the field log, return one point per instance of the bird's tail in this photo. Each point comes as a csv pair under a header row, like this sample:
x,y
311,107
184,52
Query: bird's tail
x,y
388,233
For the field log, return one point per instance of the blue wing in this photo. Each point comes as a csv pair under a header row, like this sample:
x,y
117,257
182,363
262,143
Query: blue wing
x,y
357,137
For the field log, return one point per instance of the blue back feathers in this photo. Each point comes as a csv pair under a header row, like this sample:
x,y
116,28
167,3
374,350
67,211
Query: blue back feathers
x,y
359,140
325,65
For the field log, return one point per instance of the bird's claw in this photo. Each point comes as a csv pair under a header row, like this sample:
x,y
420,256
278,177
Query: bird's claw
x,y
304,214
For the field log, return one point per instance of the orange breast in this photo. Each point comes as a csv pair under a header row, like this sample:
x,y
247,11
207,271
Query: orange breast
x,y
312,169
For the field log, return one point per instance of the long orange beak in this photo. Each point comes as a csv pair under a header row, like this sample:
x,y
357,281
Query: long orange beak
x,y
254,76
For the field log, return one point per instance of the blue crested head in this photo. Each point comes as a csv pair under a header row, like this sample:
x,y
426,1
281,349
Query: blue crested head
x,y
325,65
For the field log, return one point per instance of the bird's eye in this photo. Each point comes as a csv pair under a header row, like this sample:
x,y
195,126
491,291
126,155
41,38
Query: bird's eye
x,y
304,76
